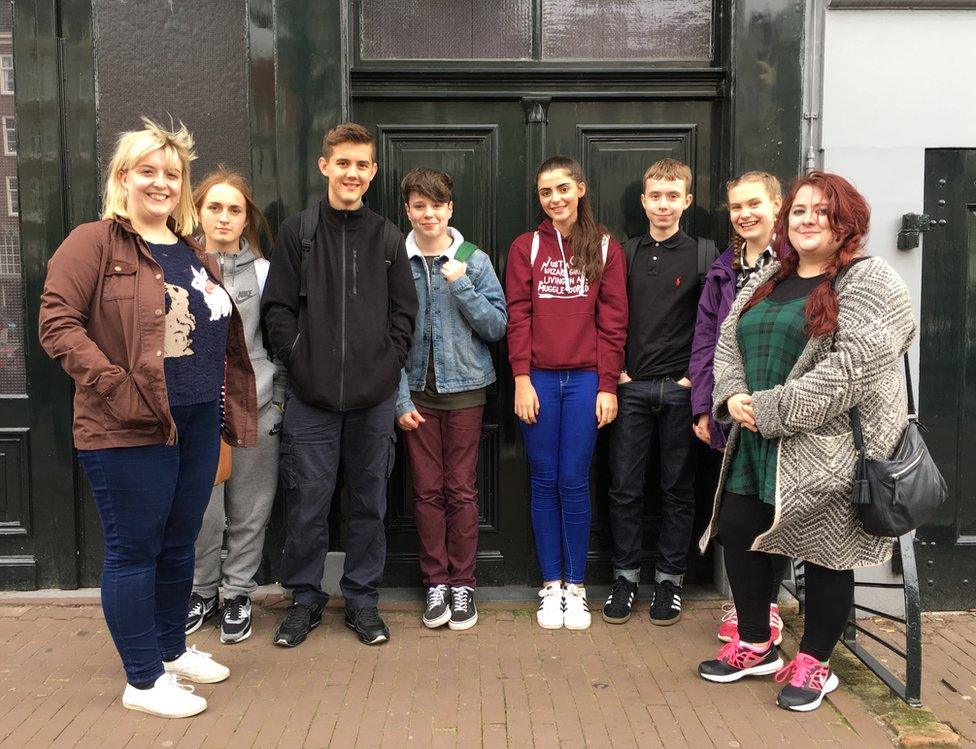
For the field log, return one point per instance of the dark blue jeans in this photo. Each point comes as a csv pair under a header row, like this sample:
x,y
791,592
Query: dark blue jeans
x,y
560,446
646,406
151,502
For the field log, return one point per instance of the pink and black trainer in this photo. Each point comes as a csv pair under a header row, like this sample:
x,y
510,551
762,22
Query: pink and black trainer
x,y
809,681
736,660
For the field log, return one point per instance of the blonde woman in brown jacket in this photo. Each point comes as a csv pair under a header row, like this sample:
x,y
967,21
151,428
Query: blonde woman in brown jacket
x,y
132,310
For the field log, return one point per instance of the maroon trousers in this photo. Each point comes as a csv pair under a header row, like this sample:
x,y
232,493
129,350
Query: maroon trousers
x,y
443,460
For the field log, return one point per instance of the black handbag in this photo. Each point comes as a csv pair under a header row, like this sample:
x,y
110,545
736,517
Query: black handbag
x,y
895,496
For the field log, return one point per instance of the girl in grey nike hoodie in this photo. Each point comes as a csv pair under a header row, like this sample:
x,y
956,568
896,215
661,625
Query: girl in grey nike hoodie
x,y
230,222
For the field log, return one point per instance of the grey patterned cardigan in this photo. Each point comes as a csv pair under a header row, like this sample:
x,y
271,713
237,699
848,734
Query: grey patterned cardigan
x,y
808,414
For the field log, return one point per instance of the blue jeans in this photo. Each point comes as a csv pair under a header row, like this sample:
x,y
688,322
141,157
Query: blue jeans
x,y
560,445
151,501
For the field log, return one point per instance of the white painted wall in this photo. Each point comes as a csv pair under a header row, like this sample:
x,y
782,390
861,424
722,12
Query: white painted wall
x,y
895,83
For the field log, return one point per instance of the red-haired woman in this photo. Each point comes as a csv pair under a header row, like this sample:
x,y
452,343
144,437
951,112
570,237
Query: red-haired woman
x,y
792,359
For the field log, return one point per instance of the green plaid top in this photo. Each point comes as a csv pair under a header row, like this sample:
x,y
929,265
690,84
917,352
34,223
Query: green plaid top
x,y
771,336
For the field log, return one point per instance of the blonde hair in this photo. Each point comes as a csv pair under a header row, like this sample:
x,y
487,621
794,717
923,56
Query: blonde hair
x,y
774,191
131,147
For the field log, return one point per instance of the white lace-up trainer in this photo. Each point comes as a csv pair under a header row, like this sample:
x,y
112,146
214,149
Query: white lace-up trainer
x,y
550,613
167,698
577,611
195,665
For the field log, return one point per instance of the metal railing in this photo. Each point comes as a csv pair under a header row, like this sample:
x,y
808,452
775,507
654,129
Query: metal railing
x,y
910,690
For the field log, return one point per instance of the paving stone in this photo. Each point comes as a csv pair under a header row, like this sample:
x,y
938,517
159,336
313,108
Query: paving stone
x,y
506,682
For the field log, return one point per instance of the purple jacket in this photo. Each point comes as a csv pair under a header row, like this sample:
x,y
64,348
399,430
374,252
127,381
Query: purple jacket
x,y
713,307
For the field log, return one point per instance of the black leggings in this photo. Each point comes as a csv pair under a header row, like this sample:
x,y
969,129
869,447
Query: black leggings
x,y
829,593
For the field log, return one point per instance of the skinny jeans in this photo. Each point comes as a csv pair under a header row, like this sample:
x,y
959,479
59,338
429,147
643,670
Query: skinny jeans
x,y
560,446
151,501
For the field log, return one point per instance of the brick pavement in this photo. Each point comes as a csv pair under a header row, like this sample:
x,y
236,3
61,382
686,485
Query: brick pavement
x,y
504,683
948,666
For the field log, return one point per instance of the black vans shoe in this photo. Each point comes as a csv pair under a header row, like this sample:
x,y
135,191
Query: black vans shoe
x,y
464,615
438,611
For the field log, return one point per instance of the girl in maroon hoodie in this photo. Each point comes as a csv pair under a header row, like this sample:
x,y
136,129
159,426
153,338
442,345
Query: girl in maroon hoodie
x,y
566,285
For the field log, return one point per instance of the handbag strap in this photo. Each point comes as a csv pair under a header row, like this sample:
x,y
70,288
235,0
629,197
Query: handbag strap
x,y
912,413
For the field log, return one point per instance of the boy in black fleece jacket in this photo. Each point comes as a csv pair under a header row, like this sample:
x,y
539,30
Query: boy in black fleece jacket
x,y
343,332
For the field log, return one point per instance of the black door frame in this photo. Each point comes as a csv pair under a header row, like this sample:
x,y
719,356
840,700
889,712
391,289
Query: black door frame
x,y
946,553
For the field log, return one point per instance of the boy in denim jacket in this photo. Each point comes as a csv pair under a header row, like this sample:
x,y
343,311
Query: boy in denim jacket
x,y
441,399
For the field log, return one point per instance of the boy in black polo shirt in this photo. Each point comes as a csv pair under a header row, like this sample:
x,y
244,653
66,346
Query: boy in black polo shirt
x,y
655,395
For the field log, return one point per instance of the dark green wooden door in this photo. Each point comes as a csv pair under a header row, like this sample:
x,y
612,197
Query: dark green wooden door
x,y
492,147
482,144
947,545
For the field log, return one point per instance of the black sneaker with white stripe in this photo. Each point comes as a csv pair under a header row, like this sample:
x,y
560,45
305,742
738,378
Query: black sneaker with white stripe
x,y
235,622
199,610
622,594
666,603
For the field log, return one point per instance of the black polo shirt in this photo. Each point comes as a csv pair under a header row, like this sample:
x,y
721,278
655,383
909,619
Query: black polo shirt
x,y
662,287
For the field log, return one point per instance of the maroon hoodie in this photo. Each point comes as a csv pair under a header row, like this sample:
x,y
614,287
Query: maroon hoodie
x,y
556,319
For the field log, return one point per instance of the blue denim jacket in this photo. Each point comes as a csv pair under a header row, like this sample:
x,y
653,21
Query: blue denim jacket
x,y
460,317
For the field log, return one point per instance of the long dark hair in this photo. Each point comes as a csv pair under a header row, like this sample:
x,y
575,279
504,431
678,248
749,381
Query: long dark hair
x,y
587,236
256,222
848,216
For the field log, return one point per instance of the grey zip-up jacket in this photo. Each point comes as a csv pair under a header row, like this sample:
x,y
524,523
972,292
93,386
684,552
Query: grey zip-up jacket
x,y
239,275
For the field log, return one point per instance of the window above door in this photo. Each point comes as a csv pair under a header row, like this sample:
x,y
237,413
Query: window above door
x,y
534,30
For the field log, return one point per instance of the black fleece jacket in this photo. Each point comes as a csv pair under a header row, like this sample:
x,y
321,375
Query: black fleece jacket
x,y
345,343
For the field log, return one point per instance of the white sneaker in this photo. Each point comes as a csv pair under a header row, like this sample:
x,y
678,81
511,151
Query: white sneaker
x,y
195,665
577,611
167,698
550,613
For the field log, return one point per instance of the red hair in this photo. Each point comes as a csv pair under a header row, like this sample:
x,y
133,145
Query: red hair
x,y
848,216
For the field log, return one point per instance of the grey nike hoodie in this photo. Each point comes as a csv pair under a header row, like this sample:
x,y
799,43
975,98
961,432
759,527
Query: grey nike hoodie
x,y
240,279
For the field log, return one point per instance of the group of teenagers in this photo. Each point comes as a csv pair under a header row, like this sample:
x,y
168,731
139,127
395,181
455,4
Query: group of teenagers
x,y
178,334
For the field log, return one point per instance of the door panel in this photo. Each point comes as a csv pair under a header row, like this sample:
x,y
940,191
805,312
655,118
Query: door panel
x,y
466,152
616,142
947,382
481,144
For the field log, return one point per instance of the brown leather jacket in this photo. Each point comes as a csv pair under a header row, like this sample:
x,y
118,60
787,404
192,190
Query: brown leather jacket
x,y
103,317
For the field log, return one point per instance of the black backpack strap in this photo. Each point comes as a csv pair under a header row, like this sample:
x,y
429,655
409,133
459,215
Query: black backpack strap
x,y
630,250
310,222
707,254
391,242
